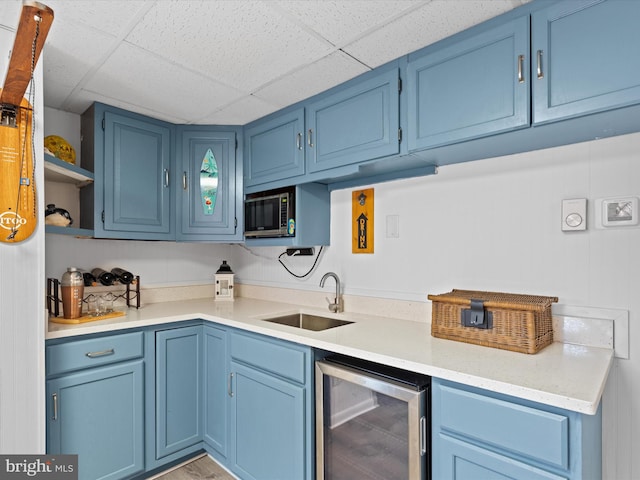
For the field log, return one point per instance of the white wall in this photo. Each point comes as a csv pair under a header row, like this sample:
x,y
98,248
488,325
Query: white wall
x,y
490,225
22,315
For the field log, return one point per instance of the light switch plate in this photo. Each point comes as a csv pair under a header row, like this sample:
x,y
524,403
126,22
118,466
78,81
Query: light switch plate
x,y
574,214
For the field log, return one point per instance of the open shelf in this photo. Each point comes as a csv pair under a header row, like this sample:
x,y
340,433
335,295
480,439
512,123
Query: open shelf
x,y
56,170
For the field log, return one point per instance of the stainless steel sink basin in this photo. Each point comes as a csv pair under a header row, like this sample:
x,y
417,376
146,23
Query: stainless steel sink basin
x,y
307,322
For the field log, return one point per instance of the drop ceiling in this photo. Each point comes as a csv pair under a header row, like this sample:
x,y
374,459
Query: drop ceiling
x,y
229,61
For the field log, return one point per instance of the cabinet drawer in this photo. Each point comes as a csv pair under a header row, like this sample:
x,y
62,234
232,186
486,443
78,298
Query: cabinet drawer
x,y
94,352
283,360
517,428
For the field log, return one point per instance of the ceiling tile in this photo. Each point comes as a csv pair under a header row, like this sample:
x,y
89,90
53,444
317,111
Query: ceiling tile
x,y
84,99
241,112
432,22
340,21
312,79
68,58
140,78
107,16
241,43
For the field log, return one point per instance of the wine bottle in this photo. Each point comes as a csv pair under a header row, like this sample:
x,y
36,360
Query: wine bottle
x,y
122,275
104,277
89,279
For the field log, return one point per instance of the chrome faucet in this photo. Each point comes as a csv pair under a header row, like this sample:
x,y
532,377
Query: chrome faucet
x,y
336,306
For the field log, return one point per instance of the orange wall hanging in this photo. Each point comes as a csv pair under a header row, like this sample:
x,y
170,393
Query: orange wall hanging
x,y
362,221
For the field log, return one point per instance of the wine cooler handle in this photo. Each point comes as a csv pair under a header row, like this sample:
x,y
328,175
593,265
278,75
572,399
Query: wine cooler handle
x,y
423,435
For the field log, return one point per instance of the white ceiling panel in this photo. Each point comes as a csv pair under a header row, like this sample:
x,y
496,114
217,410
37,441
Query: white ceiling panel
x,y
342,22
229,61
312,79
111,16
158,85
424,26
67,59
243,111
239,43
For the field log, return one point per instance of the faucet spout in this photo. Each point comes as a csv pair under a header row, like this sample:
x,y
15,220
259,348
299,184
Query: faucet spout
x,y
336,306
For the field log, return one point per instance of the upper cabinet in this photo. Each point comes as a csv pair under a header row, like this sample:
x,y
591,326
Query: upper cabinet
x,y
584,58
474,87
151,186
327,137
274,148
210,187
131,159
353,125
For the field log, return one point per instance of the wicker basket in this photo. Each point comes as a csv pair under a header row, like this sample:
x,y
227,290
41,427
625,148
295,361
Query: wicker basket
x,y
520,323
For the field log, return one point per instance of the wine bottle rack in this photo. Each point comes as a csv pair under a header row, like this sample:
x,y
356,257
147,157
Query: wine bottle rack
x,y
130,295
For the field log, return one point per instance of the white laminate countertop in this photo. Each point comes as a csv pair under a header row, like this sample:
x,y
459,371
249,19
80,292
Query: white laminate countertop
x,y
562,375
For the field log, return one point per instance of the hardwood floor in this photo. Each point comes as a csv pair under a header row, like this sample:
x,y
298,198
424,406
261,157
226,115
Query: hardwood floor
x,y
203,468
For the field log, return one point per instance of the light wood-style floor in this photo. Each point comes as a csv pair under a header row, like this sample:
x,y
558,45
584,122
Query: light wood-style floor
x,y
200,469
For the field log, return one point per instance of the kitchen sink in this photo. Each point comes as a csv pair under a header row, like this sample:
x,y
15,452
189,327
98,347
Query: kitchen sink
x,y
307,321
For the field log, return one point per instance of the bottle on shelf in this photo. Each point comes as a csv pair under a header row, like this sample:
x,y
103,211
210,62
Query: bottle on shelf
x,y
104,277
89,279
123,276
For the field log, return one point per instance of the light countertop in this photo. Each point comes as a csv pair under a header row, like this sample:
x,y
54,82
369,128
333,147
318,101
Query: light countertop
x,y
562,375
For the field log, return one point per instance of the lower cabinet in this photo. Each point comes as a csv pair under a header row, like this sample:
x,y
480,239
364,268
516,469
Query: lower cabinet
x,y
216,398
132,403
178,390
97,412
480,434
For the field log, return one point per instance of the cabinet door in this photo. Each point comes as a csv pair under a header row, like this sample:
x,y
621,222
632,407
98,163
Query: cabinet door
x,y
98,414
216,412
587,56
137,159
208,188
476,87
267,426
457,460
356,124
274,149
178,389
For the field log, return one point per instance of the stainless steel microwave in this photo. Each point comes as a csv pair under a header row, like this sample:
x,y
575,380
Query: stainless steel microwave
x,y
270,214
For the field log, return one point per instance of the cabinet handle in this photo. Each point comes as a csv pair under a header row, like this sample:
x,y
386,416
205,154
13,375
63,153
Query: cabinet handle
x,y
309,137
423,436
184,180
55,406
539,64
166,177
102,353
520,68
230,386
299,141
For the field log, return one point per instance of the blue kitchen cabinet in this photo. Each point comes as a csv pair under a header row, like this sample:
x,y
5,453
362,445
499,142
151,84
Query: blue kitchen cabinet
x,y
274,148
271,408
130,155
216,400
476,86
178,391
201,216
354,124
584,58
481,434
95,409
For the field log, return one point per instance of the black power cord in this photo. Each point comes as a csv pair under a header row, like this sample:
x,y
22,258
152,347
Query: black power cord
x,y
310,270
